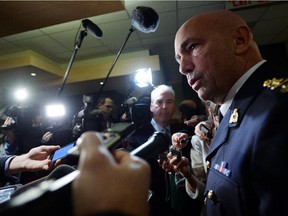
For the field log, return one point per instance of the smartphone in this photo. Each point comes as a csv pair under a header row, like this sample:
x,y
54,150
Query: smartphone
x,y
62,152
176,153
162,157
206,130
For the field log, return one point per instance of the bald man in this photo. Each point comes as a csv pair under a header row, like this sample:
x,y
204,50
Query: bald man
x,y
222,63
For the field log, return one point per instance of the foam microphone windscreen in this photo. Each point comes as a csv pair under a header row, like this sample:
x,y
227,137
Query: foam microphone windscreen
x,y
92,28
145,19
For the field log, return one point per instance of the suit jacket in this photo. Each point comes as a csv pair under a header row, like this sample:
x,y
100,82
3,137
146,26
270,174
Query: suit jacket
x,y
3,178
160,202
248,156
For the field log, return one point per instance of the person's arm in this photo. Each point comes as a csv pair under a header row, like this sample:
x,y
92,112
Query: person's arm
x,y
194,176
36,159
195,119
182,167
194,186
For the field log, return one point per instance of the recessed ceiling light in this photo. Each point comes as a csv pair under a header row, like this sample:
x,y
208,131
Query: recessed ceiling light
x,y
33,74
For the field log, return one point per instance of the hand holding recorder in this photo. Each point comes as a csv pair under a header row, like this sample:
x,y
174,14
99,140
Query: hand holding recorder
x,y
116,177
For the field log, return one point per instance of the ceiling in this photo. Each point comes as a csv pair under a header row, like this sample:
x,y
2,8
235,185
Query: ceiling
x,y
39,37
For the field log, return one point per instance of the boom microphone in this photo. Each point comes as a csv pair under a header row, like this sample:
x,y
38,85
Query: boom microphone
x,y
95,32
145,19
92,28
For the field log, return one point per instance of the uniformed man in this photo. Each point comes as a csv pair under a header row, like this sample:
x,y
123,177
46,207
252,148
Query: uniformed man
x,y
247,158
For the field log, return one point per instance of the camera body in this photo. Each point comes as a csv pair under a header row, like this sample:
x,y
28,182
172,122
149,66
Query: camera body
x,y
22,117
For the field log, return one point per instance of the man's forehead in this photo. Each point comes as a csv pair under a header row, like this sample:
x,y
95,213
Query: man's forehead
x,y
165,96
108,100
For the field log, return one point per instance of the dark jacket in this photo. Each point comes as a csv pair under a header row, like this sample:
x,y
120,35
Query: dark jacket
x,y
3,178
160,201
252,151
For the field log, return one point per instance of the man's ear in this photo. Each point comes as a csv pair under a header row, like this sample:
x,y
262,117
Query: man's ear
x,y
242,39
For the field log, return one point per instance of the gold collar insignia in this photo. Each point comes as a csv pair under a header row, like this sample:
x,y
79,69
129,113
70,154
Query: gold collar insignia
x,y
276,83
234,116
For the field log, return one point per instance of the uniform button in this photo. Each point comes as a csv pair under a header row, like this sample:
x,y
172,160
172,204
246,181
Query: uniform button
x,y
210,194
208,164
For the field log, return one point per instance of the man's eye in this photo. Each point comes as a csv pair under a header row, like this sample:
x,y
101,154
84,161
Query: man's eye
x,y
191,47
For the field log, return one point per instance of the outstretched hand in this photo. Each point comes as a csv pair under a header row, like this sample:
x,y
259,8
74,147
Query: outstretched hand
x,y
35,160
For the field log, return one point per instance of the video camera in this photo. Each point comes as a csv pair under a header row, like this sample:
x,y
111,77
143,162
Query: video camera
x,y
89,118
22,117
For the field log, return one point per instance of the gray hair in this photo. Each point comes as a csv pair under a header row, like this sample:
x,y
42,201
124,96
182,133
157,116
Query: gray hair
x,y
161,89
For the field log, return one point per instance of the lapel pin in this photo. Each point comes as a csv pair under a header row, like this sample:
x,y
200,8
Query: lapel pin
x,y
234,116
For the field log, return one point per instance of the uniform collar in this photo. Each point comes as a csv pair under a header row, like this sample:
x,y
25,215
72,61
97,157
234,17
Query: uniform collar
x,y
235,88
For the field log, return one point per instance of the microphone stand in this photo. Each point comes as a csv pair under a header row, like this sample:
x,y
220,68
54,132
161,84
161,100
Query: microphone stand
x,y
119,52
78,43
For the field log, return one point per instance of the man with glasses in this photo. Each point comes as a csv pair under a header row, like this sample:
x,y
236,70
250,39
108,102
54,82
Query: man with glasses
x,y
97,119
105,106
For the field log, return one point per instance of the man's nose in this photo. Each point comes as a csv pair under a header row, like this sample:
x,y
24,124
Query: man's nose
x,y
186,65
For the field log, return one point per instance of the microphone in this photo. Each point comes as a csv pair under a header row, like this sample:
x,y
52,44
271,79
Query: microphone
x,y
60,171
95,32
131,101
145,19
157,143
92,28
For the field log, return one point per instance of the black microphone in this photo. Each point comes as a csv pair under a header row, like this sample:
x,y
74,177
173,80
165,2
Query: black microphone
x,y
145,19
157,143
92,28
60,171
